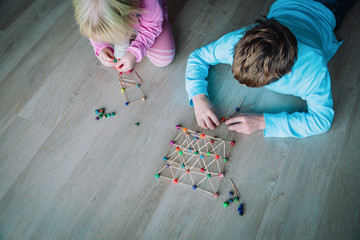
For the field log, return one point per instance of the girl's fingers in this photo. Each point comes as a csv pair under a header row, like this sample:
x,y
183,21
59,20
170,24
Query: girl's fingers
x,y
108,58
107,64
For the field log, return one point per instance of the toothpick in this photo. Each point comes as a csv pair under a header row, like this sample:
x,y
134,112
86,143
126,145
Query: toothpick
x,y
234,187
241,108
138,77
140,100
276,197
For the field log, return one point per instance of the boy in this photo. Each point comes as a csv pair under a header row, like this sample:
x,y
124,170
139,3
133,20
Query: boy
x,y
287,52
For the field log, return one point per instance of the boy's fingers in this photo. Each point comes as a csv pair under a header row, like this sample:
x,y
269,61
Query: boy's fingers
x,y
235,127
209,123
202,124
214,119
234,120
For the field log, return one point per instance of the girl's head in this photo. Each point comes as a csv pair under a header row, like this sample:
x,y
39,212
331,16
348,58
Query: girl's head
x,y
264,54
106,20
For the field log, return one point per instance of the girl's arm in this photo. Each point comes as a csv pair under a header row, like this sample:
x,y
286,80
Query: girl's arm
x,y
151,21
100,46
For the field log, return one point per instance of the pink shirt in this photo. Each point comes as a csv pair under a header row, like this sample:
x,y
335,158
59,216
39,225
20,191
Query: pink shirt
x,y
148,28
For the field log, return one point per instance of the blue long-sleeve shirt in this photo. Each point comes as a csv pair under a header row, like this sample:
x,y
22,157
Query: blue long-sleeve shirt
x,y
312,24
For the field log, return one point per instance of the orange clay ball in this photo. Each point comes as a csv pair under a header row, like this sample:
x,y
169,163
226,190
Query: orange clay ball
x,y
202,135
184,129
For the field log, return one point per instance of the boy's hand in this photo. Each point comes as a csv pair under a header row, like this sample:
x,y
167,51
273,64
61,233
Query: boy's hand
x,y
106,57
126,63
246,123
204,112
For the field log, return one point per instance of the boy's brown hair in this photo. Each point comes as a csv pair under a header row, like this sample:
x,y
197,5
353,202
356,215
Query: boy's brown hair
x,y
264,54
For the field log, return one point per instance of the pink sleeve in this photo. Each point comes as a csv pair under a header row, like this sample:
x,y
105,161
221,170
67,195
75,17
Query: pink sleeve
x,y
151,21
100,46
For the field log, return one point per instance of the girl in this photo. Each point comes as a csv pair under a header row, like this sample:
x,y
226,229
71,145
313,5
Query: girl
x,y
122,32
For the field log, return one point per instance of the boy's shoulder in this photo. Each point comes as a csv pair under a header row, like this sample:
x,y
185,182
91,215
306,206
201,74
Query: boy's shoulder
x,y
224,46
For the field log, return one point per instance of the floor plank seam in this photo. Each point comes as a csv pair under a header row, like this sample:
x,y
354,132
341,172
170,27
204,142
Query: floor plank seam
x,y
35,123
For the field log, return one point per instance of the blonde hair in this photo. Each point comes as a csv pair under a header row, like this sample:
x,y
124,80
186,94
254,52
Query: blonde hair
x,y
106,20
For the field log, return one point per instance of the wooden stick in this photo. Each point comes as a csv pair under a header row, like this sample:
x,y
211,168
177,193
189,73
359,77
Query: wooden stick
x,y
128,79
198,173
234,187
138,77
125,98
230,115
276,197
214,138
188,185
132,84
140,100
205,191
142,93
241,101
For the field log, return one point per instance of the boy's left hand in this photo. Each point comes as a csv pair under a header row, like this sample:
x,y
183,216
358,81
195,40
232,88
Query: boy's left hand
x,y
246,123
126,63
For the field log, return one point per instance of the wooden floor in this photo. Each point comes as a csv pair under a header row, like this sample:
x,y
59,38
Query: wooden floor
x,y
64,175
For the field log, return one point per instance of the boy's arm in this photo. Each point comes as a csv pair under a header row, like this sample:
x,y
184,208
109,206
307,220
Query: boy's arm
x,y
220,51
317,120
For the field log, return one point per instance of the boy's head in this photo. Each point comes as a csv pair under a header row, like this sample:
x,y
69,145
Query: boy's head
x,y
264,54
106,20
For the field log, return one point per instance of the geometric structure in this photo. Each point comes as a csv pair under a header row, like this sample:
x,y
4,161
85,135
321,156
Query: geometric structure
x,y
134,85
195,160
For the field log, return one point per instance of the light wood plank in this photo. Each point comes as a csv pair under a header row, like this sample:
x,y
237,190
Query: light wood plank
x,y
216,18
19,144
307,175
51,103
24,80
11,10
340,215
346,61
16,41
49,170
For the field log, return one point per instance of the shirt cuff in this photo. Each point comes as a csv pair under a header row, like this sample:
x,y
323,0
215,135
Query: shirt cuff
x,y
195,87
137,52
98,50
273,124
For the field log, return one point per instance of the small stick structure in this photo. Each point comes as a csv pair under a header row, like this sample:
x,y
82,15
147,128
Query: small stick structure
x,y
195,160
127,83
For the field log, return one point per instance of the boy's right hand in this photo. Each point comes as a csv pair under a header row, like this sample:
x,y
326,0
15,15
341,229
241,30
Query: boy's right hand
x,y
204,112
106,57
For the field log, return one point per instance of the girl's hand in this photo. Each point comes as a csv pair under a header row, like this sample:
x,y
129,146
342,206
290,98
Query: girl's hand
x,y
246,123
106,57
126,63
204,112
